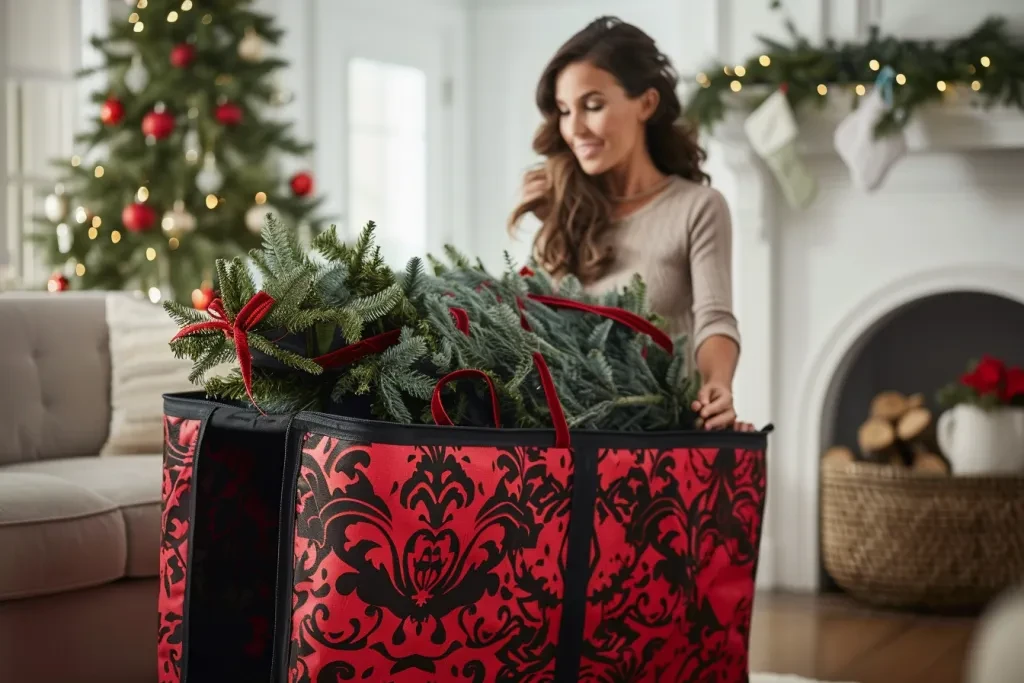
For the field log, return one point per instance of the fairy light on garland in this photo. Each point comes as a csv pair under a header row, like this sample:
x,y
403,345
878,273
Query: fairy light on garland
x,y
939,72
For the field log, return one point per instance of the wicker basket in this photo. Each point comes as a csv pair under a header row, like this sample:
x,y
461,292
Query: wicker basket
x,y
899,538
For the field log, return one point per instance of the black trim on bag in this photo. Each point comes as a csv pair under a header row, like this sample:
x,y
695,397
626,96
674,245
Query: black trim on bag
x,y
283,588
577,564
377,431
360,430
203,413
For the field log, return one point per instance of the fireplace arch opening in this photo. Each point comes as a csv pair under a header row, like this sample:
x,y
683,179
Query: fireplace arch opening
x,y
916,348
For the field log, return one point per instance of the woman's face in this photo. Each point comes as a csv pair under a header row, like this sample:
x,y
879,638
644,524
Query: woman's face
x,y
602,125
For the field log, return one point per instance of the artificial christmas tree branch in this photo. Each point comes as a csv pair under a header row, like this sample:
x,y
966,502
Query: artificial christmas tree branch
x,y
336,330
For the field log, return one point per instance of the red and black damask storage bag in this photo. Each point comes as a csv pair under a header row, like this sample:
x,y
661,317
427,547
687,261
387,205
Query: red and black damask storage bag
x,y
321,547
325,548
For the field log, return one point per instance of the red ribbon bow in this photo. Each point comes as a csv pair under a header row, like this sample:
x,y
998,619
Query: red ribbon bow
x,y
237,330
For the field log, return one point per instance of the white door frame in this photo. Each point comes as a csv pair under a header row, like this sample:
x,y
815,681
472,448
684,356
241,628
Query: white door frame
x,y
447,145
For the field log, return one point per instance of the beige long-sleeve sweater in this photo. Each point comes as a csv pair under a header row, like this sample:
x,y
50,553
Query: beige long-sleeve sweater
x,y
680,243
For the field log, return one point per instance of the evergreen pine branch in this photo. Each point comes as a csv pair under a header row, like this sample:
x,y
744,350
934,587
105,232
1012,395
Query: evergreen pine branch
x,y
242,278
390,405
331,283
221,351
289,291
229,293
377,305
328,245
413,281
183,315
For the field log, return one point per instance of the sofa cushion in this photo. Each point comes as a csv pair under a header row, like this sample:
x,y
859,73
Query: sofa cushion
x,y
56,536
129,485
142,369
55,365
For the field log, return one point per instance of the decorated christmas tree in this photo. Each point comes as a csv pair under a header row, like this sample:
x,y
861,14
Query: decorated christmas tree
x,y
183,161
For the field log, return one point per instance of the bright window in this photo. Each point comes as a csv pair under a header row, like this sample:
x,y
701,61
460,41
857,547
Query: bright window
x,y
387,156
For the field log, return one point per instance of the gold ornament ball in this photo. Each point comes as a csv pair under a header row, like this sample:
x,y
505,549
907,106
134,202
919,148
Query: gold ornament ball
x,y
178,221
250,47
255,217
55,206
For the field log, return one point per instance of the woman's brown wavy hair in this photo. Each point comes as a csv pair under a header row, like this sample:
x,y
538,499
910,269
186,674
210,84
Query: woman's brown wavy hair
x,y
575,210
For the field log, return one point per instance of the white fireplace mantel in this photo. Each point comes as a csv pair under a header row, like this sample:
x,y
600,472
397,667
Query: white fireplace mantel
x,y
810,287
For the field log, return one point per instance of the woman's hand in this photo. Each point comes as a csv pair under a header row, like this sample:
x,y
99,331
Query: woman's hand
x,y
714,406
536,184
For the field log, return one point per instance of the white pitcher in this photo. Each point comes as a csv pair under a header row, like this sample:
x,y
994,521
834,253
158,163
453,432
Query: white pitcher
x,y
979,441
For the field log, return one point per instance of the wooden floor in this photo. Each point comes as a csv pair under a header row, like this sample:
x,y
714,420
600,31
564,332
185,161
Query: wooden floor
x,y
832,638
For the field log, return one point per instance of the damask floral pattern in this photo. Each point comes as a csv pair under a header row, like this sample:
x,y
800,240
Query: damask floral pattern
x,y
447,564
672,565
180,439
428,561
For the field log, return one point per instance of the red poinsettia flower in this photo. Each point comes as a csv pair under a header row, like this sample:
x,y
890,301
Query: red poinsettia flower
x,y
1013,387
987,377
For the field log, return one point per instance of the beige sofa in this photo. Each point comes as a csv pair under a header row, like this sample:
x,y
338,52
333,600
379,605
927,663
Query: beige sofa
x,y
79,533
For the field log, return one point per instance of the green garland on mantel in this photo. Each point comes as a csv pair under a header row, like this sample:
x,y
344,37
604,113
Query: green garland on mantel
x,y
987,61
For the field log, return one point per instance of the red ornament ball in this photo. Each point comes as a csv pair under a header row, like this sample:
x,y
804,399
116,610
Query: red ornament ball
x,y
228,114
202,297
57,283
302,184
159,124
112,112
182,55
138,217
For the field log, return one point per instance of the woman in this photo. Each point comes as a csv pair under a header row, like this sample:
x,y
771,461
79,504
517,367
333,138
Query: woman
x,y
622,192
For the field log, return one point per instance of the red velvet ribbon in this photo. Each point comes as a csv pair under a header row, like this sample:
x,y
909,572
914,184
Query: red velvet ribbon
x,y
358,350
437,410
255,310
620,315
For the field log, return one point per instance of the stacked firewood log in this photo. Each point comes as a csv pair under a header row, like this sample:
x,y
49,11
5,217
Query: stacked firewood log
x,y
899,431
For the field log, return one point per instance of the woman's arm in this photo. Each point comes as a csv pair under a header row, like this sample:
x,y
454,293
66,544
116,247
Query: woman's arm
x,y
716,334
